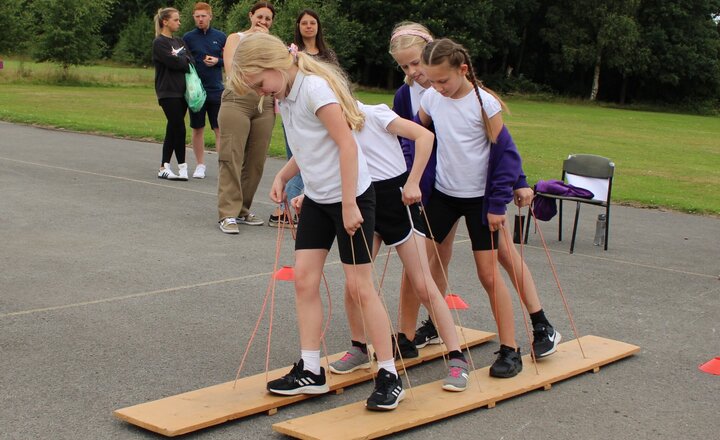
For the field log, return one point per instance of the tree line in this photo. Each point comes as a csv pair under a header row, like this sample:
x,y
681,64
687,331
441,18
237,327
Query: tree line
x,y
657,51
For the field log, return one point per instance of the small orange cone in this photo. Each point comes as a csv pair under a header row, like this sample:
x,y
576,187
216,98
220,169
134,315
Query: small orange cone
x,y
454,302
285,273
711,367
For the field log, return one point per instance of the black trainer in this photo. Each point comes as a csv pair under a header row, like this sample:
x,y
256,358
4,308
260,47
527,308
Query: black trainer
x,y
427,334
299,381
388,392
408,350
545,340
507,364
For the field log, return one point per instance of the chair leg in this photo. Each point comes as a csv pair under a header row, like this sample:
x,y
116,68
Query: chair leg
x,y
577,215
527,226
560,222
607,226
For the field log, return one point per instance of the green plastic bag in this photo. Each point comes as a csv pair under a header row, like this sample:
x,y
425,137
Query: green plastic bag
x,y
194,92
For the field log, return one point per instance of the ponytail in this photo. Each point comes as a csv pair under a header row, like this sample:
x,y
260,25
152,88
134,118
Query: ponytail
x,y
162,15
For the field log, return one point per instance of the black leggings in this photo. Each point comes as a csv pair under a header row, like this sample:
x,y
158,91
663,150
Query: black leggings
x,y
175,109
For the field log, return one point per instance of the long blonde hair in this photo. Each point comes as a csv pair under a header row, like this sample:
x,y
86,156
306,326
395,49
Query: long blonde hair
x,y
260,51
409,34
444,49
162,14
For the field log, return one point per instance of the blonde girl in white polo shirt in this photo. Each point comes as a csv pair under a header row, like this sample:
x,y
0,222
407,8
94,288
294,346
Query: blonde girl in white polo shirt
x,y
319,114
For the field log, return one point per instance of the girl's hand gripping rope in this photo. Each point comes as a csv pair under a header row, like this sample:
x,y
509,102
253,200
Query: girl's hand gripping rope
x,y
496,222
277,191
411,193
352,219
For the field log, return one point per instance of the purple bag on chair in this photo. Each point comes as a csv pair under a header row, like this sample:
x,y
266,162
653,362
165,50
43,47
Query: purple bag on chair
x,y
545,208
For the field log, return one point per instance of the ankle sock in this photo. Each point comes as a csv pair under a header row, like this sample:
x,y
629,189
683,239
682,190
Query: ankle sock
x,y
311,360
456,354
360,345
388,365
539,318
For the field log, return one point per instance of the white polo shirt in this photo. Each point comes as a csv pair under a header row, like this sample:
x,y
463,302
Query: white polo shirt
x,y
416,93
383,152
463,148
315,152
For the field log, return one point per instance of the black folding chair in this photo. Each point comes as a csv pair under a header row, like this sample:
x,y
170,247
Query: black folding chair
x,y
594,173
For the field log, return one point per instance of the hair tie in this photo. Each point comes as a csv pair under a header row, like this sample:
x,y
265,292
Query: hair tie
x,y
412,32
293,49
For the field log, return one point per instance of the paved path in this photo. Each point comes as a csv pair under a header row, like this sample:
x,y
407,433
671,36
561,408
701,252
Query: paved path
x,y
117,288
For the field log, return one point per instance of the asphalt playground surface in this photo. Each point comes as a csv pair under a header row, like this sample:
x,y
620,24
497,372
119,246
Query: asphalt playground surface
x,y
117,288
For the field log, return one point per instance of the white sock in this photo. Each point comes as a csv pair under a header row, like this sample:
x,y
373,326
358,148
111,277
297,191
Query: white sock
x,y
311,360
388,365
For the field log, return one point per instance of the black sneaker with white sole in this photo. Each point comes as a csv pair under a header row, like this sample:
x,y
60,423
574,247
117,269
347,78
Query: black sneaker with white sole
x,y
427,334
299,381
545,340
508,363
388,392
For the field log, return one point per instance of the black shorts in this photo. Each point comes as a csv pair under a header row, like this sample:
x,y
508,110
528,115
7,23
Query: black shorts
x,y
319,224
395,222
197,120
443,211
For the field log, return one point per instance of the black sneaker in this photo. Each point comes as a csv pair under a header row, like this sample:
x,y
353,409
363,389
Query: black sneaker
x,y
388,392
408,350
427,334
299,381
507,364
545,340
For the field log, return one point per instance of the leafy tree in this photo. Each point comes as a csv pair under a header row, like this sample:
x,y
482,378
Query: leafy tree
x,y
682,36
68,31
584,32
14,22
122,13
135,43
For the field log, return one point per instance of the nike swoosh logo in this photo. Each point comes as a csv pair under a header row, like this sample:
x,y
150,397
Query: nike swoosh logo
x,y
552,338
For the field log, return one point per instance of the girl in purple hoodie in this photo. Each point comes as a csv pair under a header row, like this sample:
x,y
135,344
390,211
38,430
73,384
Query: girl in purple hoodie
x,y
477,167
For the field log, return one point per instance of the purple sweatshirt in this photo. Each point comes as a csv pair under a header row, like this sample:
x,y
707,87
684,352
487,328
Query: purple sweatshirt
x,y
505,174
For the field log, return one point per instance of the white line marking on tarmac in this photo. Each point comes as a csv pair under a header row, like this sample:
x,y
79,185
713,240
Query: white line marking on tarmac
x,y
127,179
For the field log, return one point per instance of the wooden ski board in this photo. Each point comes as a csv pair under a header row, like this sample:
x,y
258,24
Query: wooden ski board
x,y
194,410
429,402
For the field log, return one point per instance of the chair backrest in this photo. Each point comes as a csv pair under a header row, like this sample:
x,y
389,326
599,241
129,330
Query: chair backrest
x,y
591,172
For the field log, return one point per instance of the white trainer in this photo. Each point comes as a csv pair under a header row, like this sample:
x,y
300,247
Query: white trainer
x,y
182,174
166,173
199,172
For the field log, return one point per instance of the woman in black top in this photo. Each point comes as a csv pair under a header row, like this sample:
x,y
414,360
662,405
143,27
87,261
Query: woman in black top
x,y
171,60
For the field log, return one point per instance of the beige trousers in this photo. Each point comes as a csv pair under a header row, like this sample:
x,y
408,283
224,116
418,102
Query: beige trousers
x,y
242,148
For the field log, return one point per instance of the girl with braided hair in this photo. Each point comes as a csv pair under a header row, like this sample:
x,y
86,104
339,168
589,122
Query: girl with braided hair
x,y
477,167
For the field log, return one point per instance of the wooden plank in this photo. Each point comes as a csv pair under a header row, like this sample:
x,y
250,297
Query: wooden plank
x,y
194,410
430,402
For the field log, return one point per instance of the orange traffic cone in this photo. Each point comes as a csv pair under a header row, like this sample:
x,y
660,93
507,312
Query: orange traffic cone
x,y
285,273
454,302
711,367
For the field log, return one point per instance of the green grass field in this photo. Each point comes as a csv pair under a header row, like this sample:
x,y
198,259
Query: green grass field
x,y
662,159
